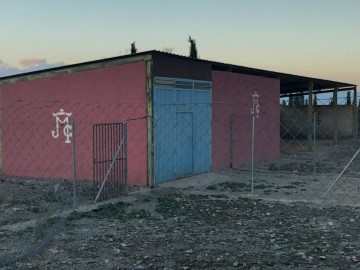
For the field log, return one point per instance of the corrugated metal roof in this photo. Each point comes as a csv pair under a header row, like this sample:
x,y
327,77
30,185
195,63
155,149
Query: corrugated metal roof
x,y
289,83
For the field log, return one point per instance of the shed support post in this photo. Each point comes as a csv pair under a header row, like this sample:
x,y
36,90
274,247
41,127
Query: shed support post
x,y
355,115
1,166
150,126
310,116
335,115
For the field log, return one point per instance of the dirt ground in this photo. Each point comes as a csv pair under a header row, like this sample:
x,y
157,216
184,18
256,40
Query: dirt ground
x,y
209,221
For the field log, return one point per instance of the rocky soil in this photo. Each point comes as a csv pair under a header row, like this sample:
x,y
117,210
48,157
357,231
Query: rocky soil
x,y
209,221
169,228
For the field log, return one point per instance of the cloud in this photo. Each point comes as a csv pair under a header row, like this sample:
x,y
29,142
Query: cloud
x,y
42,66
27,62
8,70
168,49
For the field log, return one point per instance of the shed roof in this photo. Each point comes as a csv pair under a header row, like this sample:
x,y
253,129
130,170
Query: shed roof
x,y
289,83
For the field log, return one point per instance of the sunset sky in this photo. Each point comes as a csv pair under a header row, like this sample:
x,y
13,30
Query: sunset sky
x,y
317,38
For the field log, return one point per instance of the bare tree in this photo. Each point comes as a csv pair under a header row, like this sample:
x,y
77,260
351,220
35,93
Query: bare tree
x,y
193,49
133,48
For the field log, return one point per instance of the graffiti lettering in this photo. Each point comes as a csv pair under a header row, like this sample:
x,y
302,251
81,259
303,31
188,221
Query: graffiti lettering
x,y
67,130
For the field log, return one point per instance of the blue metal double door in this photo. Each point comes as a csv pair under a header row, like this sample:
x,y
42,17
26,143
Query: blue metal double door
x,y
182,129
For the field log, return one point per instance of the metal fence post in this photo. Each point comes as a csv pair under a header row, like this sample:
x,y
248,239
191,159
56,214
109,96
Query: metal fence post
x,y
126,157
252,154
73,153
310,109
254,110
314,143
232,140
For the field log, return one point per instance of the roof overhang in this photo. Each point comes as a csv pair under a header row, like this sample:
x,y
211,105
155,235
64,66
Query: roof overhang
x,y
290,84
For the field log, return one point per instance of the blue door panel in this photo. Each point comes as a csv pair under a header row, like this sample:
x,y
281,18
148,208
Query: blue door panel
x,y
184,144
184,100
164,135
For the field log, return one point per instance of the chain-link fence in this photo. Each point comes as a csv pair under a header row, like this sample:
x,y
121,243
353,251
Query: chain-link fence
x,y
57,157
323,142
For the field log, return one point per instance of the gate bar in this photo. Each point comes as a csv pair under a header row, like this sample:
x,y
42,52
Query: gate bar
x,y
109,170
333,184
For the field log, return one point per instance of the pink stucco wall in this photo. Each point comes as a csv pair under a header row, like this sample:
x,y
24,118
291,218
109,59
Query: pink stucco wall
x,y
104,95
232,119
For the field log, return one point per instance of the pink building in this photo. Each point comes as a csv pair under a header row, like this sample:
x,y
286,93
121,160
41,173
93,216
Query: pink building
x,y
232,119
184,117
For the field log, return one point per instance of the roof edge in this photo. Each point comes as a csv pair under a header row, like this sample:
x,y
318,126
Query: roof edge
x,y
66,69
148,55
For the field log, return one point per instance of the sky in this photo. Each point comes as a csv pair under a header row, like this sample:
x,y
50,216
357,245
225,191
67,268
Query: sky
x,y
316,38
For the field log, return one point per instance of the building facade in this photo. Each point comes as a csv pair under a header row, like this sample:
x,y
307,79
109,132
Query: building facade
x,y
184,117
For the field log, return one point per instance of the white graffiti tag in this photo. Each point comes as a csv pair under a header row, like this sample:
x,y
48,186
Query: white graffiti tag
x,y
67,127
255,109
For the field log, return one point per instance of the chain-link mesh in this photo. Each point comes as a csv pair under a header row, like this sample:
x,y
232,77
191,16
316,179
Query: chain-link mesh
x,y
220,153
